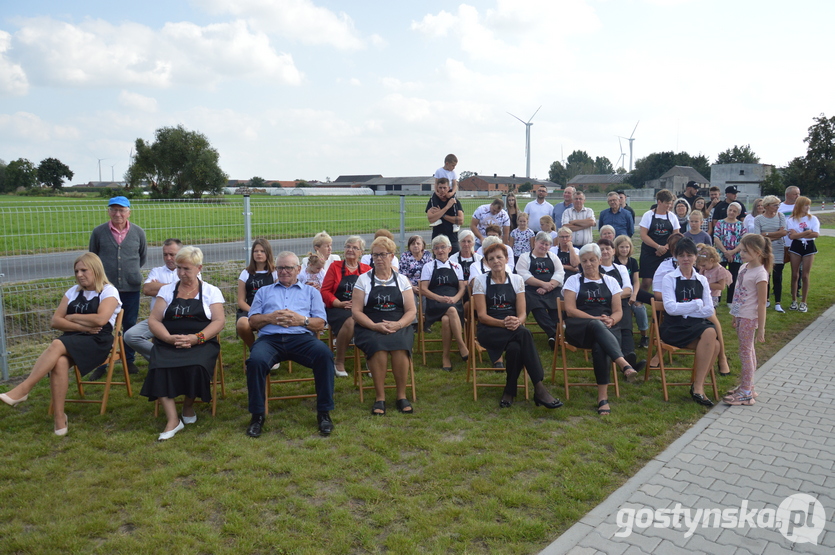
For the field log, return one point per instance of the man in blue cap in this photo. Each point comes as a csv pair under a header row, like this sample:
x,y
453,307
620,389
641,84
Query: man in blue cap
x,y
122,249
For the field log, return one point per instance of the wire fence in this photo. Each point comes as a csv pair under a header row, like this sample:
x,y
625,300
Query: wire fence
x,y
40,240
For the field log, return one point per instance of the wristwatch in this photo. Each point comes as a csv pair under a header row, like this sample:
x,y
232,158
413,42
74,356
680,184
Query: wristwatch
x,y
306,321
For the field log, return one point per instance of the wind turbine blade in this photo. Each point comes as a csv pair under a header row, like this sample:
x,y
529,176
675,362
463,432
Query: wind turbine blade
x,y
534,114
620,144
633,131
523,121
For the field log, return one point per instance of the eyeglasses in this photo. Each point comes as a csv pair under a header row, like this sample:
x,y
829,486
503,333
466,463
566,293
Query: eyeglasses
x,y
380,254
352,248
440,248
285,268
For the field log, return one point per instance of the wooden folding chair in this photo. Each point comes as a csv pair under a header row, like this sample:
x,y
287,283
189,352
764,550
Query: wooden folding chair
x,y
218,378
278,381
562,349
117,352
476,351
661,348
423,341
361,370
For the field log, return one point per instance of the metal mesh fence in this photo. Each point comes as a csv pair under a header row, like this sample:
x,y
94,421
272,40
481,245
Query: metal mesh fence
x,y
39,240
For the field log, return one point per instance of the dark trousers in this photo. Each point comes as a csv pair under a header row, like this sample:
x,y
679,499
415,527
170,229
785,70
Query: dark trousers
x,y
777,280
130,304
627,342
547,320
605,349
733,268
521,353
303,348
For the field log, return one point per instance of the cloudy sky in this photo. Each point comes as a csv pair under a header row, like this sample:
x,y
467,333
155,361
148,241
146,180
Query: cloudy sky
x,y
312,89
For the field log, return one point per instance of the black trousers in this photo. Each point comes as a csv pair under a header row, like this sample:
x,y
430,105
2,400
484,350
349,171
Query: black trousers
x,y
777,280
733,268
521,353
604,349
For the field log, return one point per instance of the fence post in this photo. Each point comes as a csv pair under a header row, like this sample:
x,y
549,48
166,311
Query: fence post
x,y
4,354
403,221
247,228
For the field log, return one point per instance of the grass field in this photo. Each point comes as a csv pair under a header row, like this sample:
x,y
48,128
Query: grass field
x,y
458,476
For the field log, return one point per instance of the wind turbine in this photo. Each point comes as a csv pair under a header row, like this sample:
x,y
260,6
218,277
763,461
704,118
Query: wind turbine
x,y
113,173
527,140
622,155
100,159
630,139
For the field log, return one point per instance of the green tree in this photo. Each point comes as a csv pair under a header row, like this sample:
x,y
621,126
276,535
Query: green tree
x,y
738,155
20,173
773,184
658,163
794,174
579,163
603,165
2,175
820,158
51,172
525,187
558,174
464,175
177,161
257,182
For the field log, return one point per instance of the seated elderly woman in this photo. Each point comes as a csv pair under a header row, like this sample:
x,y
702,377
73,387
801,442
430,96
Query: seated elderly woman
x,y
383,310
467,255
86,315
413,259
688,305
259,272
542,272
323,246
568,254
499,298
187,318
337,292
443,285
593,307
366,258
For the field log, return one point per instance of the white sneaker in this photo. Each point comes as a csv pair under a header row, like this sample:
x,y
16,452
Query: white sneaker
x,y
779,308
793,306
767,304
802,307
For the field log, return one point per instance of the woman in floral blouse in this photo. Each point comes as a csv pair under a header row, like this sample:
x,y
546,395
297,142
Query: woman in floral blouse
x,y
727,235
412,261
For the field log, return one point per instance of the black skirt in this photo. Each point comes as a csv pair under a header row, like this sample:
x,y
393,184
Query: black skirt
x,y
534,300
435,311
371,342
87,351
680,332
337,317
649,261
241,314
190,381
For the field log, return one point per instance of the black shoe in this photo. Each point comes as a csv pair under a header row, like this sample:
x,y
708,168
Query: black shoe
x,y
132,368
98,373
254,429
701,399
325,423
644,342
553,405
552,342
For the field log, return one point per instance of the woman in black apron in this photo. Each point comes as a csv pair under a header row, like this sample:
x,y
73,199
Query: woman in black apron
x,y
593,307
337,291
465,258
688,305
499,299
86,315
543,275
383,309
259,272
442,284
656,227
185,341
567,253
609,267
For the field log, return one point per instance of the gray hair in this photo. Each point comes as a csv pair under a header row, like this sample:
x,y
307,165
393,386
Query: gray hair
x,y
489,241
590,248
613,194
441,240
191,255
737,205
288,254
607,227
355,240
544,236
464,233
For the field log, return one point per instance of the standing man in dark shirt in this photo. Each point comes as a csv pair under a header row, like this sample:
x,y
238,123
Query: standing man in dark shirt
x,y
624,206
445,213
720,212
691,193
122,249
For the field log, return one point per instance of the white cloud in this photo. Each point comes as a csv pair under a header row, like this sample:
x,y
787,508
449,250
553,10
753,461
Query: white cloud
x,y
12,77
138,102
27,127
300,20
436,25
98,53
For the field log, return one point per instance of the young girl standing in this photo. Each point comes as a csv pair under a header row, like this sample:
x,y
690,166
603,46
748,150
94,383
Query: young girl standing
x,y
803,229
522,236
546,223
748,310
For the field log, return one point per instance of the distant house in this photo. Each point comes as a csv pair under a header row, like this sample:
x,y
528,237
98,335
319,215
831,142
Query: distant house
x,y
354,179
748,178
598,182
676,178
499,184
397,185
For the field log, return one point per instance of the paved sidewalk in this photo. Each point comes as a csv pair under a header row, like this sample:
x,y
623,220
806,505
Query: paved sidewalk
x,y
782,446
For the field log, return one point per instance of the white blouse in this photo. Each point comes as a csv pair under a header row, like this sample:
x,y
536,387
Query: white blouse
x,y
523,267
698,308
107,292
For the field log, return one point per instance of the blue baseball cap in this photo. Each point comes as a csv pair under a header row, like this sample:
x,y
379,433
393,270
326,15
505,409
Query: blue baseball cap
x,y
119,201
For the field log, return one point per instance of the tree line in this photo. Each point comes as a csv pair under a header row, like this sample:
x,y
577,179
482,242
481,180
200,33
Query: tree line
x,y
813,173
21,174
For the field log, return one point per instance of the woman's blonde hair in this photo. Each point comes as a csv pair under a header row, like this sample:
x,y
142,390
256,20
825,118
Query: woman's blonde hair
x,y
386,243
619,240
799,204
93,262
193,255
321,238
549,221
314,259
708,251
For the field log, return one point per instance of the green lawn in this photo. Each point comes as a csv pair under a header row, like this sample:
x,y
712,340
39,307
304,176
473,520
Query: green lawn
x,y
458,476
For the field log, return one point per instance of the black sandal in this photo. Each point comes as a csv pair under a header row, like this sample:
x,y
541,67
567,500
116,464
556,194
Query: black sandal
x,y
378,405
603,412
403,404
